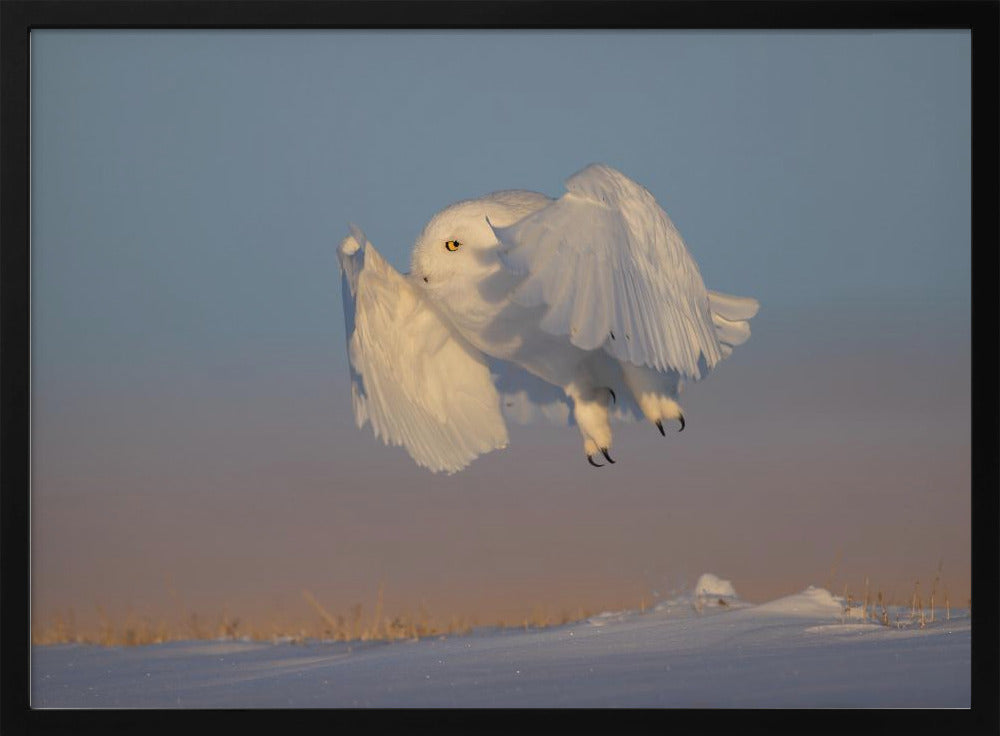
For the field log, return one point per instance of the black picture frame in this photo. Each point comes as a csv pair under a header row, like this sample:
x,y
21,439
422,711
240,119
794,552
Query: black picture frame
x,y
18,18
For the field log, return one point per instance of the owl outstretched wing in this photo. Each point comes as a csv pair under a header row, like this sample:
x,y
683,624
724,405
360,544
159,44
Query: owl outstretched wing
x,y
412,376
614,273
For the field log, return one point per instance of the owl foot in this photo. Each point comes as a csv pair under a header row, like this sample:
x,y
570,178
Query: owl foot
x,y
590,410
604,451
659,425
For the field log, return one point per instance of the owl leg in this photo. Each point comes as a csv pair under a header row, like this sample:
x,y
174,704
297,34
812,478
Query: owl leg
x,y
590,410
655,393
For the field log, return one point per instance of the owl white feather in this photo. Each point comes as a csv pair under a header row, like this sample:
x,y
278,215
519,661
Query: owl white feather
x,y
577,310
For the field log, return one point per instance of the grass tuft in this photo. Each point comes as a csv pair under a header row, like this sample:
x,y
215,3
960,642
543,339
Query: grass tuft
x,y
61,628
912,612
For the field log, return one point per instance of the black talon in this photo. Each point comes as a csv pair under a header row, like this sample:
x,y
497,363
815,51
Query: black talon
x,y
613,397
682,424
659,426
604,451
590,459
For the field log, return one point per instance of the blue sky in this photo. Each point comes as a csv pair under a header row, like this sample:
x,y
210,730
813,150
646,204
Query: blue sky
x,y
188,192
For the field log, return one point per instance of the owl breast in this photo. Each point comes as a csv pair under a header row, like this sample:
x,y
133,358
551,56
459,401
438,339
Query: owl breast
x,y
481,310
505,330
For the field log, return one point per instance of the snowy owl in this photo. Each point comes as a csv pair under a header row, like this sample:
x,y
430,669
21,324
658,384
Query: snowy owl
x,y
577,310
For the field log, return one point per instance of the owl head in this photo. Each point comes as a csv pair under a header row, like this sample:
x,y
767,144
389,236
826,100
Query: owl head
x,y
457,249
457,245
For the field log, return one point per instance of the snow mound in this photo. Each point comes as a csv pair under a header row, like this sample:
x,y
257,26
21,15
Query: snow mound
x,y
607,617
709,585
812,601
710,593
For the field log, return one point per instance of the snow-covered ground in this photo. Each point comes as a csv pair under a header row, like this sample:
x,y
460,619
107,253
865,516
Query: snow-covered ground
x,y
708,649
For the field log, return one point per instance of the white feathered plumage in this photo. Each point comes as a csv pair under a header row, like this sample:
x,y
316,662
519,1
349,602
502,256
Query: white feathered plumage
x,y
575,310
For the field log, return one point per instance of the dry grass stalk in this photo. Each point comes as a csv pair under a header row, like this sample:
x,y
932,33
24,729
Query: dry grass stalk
x,y
885,610
334,626
376,629
937,578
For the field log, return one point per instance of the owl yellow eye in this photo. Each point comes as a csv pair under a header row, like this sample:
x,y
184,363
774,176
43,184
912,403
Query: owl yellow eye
x,y
452,245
